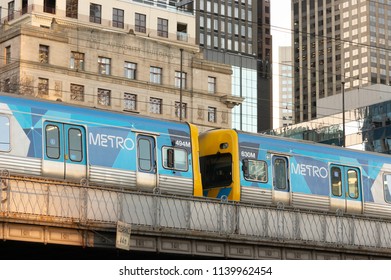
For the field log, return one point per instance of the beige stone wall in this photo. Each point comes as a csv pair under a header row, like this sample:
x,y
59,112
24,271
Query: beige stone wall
x,y
62,39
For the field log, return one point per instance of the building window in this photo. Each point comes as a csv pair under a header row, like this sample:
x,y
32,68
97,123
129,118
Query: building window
x,y
95,13
49,6
24,7
155,75
140,23
11,10
8,55
178,79
77,61
181,32
7,85
43,54
118,18
212,114
43,86
177,109
162,27
155,105
71,8
104,97
211,84
77,92
130,70
104,65
130,101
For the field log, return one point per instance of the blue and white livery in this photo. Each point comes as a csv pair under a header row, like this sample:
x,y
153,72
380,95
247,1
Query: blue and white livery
x,y
262,169
53,140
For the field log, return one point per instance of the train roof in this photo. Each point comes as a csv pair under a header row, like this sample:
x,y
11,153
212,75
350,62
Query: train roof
x,y
310,146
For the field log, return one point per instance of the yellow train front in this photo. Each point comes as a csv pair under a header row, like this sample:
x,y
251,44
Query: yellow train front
x,y
219,158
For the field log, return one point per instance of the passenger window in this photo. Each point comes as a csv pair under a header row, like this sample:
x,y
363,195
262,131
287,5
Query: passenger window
x,y
387,187
144,154
255,170
280,174
75,145
353,183
174,158
5,144
336,181
52,141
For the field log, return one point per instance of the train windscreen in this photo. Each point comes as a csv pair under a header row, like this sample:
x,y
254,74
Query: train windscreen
x,y
216,170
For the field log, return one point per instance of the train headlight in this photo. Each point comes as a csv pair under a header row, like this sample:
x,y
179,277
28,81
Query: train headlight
x,y
223,146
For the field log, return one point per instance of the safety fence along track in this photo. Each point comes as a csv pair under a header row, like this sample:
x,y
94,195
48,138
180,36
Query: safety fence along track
x,y
83,206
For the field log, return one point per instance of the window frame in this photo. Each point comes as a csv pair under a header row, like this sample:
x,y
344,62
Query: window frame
x,y
178,77
80,144
141,152
253,176
177,109
77,61
140,22
166,158
44,54
8,54
95,13
212,112
155,75
162,27
104,94
130,69
43,86
71,9
336,185
211,84
77,95
132,100
104,65
54,147
156,103
118,19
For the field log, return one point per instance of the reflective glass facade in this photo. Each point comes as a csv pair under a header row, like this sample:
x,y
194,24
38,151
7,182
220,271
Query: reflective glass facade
x,y
370,131
244,84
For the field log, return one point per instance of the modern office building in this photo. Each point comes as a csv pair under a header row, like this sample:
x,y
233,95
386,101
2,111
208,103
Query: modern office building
x,y
237,32
338,43
137,57
367,121
317,54
285,77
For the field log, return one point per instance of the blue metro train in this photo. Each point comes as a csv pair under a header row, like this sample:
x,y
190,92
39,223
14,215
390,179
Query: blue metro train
x,y
263,169
53,140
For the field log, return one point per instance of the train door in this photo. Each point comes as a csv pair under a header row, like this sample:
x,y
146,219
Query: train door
x,y
281,188
64,153
146,162
346,191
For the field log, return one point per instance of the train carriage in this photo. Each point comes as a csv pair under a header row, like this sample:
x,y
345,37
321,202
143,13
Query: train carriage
x,y
262,169
50,139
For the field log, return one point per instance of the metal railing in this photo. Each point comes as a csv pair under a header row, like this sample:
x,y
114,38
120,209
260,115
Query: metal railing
x,y
71,205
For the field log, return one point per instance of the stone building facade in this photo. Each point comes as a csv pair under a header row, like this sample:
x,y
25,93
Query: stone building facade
x,y
114,64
